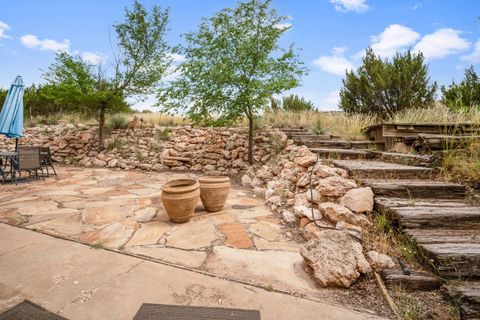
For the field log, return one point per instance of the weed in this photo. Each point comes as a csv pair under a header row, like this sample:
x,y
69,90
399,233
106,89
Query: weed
x,y
409,307
116,143
97,246
277,144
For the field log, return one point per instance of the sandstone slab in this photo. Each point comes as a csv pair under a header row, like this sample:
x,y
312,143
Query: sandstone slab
x,y
148,233
236,236
193,235
191,259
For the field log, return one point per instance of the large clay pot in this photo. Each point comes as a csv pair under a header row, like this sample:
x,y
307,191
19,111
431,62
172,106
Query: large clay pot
x,y
214,192
179,198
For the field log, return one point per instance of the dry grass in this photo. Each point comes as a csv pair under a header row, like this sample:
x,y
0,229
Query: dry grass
x,y
335,123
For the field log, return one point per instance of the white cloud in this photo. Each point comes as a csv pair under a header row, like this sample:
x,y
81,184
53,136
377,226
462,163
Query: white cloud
x,y
285,25
415,6
177,57
394,38
332,99
475,55
335,64
4,27
33,42
350,5
93,58
441,43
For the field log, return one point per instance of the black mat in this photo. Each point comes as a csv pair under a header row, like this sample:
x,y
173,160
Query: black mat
x,y
150,311
28,310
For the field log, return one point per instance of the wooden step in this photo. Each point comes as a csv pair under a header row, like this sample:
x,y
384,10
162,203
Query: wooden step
x,y
338,144
403,158
309,137
350,154
381,170
454,259
385,203
414,281
436,217
441,235
417,189
467,296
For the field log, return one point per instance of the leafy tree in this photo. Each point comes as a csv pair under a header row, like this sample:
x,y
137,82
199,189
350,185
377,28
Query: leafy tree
x,y
233,65
140,62
464,95
382,87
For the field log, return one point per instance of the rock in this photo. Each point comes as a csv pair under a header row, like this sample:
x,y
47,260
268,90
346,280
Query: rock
x,y
310,213
335,186
336,258
305,161
313,195
380,261
246,180
358,200
274,200
98,163
288,216
335,213
256,182
145,215
354,230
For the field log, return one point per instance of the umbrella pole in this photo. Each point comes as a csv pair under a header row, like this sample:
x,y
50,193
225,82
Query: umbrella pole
x,y
16,144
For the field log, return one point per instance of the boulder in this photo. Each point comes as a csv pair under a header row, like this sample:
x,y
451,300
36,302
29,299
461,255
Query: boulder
x,y
336,212
310,213
380,261
335,186
313,195
289,216
336,258
358,200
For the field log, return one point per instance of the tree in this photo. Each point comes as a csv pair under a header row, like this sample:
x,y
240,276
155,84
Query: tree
x,y
464,95
233,65
382,87
141,60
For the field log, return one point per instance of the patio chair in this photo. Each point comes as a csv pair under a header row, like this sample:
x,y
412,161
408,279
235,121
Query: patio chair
x,y
29,160
46,157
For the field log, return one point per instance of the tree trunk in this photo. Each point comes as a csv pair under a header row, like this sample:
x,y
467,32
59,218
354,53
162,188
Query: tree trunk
x,y
101,124
250,140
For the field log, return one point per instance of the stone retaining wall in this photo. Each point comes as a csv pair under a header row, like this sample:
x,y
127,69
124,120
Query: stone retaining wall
x,y
214,150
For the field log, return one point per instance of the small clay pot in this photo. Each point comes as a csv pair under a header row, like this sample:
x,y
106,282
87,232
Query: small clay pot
x,y
214,192
179,198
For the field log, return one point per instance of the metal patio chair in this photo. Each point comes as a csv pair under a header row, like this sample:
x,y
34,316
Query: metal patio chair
x,y
46,159
29,160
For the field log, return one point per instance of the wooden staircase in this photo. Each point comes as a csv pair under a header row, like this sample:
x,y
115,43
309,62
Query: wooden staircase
x,y
435,214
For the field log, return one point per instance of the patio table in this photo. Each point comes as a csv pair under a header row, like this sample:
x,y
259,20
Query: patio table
x,y
5,159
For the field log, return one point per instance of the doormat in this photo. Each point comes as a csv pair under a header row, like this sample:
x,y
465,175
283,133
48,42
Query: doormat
x,y
150,311
28,310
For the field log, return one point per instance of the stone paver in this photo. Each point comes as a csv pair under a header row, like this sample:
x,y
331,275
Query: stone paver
x,y
193,235
236,235
81,283
148,233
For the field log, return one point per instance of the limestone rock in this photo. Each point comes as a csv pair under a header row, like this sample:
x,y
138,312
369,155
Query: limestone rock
x,y
335,186
336,258
336,213
380,261
358,200
246,180
288,216
354,230
313,195
310,213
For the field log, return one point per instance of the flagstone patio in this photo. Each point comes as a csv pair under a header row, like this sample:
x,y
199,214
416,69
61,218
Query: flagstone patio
x,y
122,210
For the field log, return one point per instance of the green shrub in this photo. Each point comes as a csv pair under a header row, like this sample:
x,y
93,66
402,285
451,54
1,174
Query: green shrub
x,y
465,95
117,121
382,88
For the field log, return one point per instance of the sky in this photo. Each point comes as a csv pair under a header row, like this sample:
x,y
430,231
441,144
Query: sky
x,y
331,35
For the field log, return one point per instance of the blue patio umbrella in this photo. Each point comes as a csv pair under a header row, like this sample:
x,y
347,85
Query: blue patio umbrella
x,y
11,116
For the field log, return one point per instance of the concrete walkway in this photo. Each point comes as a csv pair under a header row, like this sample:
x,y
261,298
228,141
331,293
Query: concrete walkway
x,y
80,282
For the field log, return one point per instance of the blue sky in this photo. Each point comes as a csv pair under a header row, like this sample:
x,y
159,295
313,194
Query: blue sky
x,y
332,34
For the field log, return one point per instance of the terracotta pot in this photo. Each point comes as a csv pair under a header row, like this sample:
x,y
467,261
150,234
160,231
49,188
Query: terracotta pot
x,y
179,198
214,192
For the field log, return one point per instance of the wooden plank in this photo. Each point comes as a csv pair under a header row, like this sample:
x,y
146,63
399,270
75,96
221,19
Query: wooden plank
x,y
309,137
387,203
431,236
382,170
328,153
416,189
437,217
413,282
454,259
404,158
442,142
322,143
468,298
386,295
